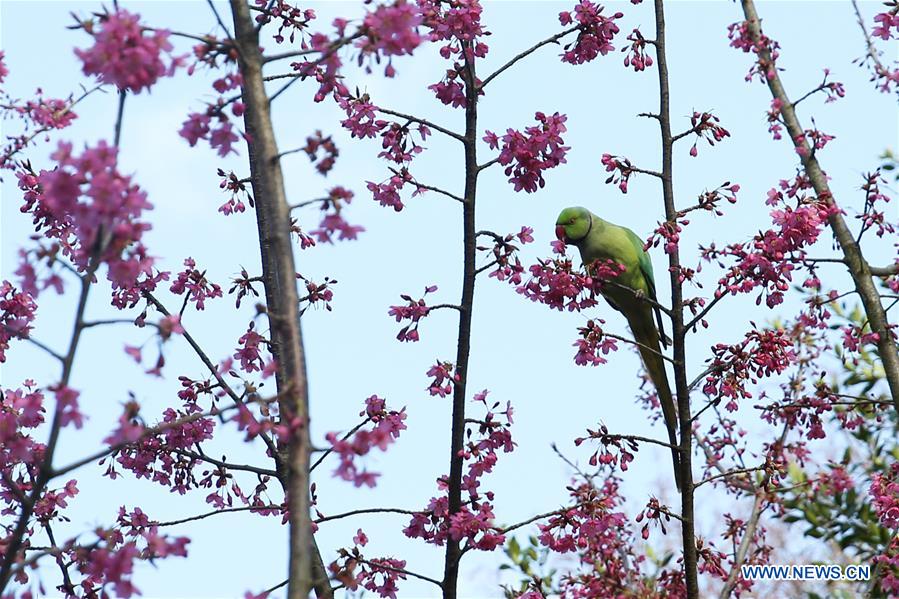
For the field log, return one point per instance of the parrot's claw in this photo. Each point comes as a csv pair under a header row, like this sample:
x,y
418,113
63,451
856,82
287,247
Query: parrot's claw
x,y
640,294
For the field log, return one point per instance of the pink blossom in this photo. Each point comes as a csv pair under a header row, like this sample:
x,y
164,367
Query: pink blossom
x,y
705,126
592,343
766,50
387,193
886,22
294,19
443,379
526,155
595,32
195,284
413,311
637,56
381,574
84,197
17,312
123,55
67,407
390,30
249,352
332,219
387,427
621,169
317,142
361,121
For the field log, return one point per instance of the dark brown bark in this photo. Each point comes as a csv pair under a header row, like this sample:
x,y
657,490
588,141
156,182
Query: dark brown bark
x,y
858,267
677,317
469,230
279,278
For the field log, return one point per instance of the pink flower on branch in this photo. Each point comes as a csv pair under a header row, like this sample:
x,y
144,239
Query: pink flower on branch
x,y
765,66
316,142
473,522
194,284
592,343
17,312
249,352
388,31
238,188
504,254
413,311
127,54
317,293
332,221
621,169
556,283
705,126
93,210
387,192
443,378
387,427
595,32
762,353
768,261
526,155
636,53
220,135
886,22
289,17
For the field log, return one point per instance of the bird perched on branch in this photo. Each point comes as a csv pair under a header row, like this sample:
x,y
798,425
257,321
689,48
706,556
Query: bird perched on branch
x,y
633,294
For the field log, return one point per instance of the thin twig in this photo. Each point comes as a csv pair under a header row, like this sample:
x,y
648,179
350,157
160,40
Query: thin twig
x,y
438,190
227,510
376,510
550,40
424,122
328,451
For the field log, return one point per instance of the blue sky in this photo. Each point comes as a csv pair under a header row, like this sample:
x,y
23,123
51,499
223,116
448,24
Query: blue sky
x,y
521,351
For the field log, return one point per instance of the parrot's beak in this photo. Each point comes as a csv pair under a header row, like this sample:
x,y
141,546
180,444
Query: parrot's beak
x,y
560,233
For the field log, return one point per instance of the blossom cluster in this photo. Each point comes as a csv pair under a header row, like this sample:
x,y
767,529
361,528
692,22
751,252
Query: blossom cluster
x,y
195,285
332,221
621,169
766,50
526,155
473,521
761,353
289,17
705,126
387,31
769,259
458,24
595,32
378,575
614,450
413,311
387,427
556,283
124,56
593,344
504,254
17,311
214,126
94,213
636,57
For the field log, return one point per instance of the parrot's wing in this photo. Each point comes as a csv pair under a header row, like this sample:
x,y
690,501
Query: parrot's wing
x,y
645,264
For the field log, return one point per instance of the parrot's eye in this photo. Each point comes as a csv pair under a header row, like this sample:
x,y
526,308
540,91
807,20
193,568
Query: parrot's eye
x,y
571,221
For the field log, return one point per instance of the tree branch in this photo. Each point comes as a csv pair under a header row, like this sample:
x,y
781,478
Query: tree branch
x,y
858,267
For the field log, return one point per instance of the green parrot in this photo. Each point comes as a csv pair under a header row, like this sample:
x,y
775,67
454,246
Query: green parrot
x,y
597,239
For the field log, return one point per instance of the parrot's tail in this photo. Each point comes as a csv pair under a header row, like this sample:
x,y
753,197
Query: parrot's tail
x,y
646,334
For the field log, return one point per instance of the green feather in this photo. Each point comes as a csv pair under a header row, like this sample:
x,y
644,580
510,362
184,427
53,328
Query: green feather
x,y
600,240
